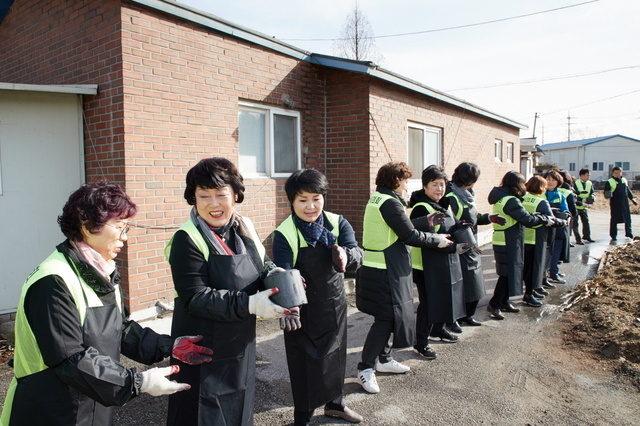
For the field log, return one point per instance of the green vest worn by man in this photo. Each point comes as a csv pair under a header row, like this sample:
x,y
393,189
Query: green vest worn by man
x,y
583,186
416,252
614,183
498,237
294,237
530,203
376,234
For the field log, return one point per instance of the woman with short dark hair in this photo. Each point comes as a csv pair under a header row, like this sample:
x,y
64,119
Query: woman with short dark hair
x,y
218,265
461,198
384,286
322,246
508,240
71,326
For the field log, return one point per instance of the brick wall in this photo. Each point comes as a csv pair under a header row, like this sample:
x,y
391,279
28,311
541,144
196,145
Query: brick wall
x,y
168,96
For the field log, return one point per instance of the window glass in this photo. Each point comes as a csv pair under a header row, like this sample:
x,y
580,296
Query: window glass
x,y
625,165
252,138
285,141
510,152
498,149
416,149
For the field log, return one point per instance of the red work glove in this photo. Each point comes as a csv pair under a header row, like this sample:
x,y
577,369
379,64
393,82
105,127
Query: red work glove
x,y
496,218
185,350
339,257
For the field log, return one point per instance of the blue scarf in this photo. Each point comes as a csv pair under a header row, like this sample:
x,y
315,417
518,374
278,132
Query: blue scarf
x,y
315,232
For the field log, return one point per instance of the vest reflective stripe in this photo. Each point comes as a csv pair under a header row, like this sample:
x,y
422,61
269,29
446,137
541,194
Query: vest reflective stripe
x,y
294,237
614,183
530,203
460,204
583,186
190,228
498,238
416,252
376,234
28,358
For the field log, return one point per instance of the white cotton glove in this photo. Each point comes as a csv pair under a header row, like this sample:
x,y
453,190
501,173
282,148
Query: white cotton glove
x,y
443,240
276,270
462,248
260,305
155,382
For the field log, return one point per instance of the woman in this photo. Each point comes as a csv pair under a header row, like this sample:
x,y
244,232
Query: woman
x,y
384,286
436,271
508,241
461,199
558,202
321,245
71,327
567,190
536,242
218,264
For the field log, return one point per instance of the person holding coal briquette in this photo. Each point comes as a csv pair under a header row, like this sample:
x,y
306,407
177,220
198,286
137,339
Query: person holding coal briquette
x,y
322,246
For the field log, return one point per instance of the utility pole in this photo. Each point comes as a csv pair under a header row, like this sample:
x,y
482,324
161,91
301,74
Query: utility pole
x,y
569,125
535,119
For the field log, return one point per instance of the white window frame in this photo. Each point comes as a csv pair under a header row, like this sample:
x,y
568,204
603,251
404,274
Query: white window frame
x,y
415,183
270,112
622,165
510,149
598,166
497,149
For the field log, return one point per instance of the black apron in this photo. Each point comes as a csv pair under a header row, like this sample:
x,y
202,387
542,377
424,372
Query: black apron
x,y
317,352
222,391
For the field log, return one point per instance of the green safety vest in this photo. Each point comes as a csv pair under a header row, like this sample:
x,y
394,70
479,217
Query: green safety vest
x,y
566,192
460,203
294,237
416,252
376,234
190,228
27,356
498,237
530,203
614,183
583,187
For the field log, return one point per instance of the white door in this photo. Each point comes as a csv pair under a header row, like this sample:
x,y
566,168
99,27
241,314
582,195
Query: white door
x,y
41,163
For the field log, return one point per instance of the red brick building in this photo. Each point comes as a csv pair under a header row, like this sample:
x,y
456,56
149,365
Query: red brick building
x,y
175,85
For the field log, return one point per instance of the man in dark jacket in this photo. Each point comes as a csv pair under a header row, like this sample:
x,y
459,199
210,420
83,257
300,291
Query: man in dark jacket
x,y
618,192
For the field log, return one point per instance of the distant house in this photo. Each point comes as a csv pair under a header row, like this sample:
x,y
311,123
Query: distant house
x,y
599,155
138,91
530,154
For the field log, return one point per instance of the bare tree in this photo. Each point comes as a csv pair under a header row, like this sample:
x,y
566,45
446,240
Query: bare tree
x,y
356,39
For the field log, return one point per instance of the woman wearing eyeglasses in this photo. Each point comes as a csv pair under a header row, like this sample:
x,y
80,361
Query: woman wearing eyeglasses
x,y
71,328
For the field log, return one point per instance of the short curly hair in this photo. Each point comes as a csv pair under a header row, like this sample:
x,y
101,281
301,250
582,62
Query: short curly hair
x,y
308,180
92,206
392,173
465,174
213,173
536,185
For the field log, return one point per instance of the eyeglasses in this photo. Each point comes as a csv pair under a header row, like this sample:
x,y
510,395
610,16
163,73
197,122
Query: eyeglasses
x,y
123,231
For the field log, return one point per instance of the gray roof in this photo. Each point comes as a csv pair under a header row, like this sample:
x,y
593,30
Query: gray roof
x,y
214,22
583,142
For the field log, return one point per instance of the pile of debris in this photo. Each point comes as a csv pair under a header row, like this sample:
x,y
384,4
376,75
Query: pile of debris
x,y
603,314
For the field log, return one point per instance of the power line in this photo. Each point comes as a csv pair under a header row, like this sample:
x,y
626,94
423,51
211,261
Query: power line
x,y
450,28
545,79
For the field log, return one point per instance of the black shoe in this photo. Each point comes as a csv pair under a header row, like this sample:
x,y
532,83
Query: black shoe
x,y
560,274
580,243
508,307
541,291
425,351
529,300
547,284
557,280
445,336
495,313
589,240
571,245
471,321
538,295
455,327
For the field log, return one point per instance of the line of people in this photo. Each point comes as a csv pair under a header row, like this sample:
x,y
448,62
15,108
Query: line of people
x,y
71,325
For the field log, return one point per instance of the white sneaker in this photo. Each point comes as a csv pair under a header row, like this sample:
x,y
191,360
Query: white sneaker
x,y
392,366
368,380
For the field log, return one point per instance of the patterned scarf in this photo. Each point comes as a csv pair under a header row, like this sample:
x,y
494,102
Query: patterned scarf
x,y
95,259
315,232
214,236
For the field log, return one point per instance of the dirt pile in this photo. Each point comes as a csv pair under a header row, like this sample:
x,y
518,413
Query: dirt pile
x,y
603,313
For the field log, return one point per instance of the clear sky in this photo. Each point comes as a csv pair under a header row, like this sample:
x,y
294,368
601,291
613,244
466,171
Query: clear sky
x,y
581,62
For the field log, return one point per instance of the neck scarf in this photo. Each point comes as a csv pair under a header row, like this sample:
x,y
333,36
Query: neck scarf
x,y
215,236
466,196
315,232
93,258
